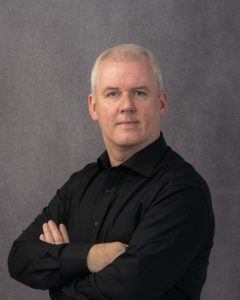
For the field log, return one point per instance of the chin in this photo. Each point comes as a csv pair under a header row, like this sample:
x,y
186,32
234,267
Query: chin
x,y
128,140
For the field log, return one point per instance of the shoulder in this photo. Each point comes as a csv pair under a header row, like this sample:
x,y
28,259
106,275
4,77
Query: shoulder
x,y
177,177
79,178
86,171
174,170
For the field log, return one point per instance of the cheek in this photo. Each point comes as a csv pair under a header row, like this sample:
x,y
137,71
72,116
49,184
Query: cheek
x,y
105,115
145,113
149,116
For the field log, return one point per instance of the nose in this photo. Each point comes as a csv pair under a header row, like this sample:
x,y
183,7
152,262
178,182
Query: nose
x,y
127,104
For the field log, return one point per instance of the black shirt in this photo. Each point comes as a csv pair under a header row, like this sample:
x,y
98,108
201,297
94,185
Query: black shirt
x,y
155,202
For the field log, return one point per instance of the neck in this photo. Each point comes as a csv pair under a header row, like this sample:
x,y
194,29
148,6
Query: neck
x,y
117,157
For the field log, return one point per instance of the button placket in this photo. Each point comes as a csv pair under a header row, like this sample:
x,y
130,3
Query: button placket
x,y
96,223
108,191
102,207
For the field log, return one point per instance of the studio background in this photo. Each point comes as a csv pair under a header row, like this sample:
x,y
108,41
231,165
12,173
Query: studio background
x,y
47,49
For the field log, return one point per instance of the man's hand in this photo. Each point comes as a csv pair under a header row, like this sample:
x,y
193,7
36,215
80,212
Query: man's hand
x,y
54,235
101,255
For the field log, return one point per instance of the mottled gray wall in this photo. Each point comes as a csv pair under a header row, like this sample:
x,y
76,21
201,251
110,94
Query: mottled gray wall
x,y
46,51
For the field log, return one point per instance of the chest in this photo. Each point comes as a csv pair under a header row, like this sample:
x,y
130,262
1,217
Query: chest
x,y
110,210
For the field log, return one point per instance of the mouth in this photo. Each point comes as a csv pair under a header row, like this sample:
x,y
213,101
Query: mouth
x,y
127,124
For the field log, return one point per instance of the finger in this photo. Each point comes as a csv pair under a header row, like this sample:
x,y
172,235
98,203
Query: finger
x,y
57,236
64,233
47,234
42,237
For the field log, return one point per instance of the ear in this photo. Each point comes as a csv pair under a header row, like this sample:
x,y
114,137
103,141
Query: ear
x,y
163,103
92,107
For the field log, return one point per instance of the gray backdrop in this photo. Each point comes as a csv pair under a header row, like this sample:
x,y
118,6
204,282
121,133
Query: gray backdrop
x,y
46,52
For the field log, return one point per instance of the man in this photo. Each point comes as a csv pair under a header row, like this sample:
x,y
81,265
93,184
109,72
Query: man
x,y
136,224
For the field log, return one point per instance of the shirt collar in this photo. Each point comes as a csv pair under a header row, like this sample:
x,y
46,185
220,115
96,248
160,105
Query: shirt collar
x,y
143,161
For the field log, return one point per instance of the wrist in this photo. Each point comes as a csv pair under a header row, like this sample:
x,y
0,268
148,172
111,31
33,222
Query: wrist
x,y
89,260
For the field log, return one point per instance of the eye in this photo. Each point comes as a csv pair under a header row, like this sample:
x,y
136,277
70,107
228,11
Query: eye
x,y
112,94
139,93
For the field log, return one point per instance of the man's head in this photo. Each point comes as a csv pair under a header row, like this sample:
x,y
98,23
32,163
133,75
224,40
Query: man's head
x,y
127,98
126,51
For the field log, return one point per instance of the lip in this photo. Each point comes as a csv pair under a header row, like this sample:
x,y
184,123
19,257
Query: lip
x,y
127,122
127,125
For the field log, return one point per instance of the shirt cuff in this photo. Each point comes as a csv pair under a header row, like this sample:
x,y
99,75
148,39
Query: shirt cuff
x,y
74,260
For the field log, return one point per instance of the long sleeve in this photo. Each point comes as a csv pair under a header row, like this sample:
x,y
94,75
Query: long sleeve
x,y
173,231
42,265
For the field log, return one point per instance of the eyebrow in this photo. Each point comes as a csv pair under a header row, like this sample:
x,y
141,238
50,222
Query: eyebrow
x,y
111,88
142,87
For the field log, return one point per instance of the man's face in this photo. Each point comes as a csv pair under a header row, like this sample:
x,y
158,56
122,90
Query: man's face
x,y
127,106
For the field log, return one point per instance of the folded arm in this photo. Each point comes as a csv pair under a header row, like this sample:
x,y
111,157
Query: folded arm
x,y
46,265
99,255
44,258
162,247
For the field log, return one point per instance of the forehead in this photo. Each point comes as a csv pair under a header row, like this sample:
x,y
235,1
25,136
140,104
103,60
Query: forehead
x,y
125,72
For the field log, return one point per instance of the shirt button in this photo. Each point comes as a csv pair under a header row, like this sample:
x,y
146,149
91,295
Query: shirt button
x,y
108,191
96,223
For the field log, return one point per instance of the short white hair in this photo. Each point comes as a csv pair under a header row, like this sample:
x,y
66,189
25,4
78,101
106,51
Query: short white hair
x,y
127,51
